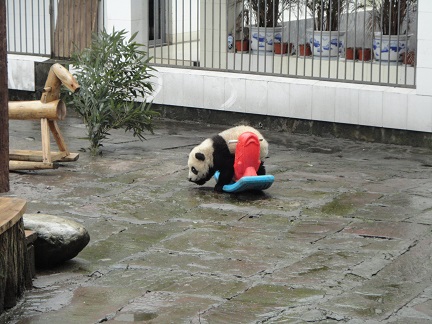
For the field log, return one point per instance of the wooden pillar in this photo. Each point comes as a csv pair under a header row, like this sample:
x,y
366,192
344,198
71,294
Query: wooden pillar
x,y
4,119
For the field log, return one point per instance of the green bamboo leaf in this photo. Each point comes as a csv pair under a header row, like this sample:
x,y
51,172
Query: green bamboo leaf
x,y
113,73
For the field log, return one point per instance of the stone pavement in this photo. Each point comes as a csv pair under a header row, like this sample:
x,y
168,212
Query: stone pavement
x,y
343,235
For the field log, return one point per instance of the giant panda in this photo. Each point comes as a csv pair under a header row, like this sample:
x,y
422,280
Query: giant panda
x,y
217,154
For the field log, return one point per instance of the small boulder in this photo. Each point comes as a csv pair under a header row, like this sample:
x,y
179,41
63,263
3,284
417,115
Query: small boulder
x,y
58,239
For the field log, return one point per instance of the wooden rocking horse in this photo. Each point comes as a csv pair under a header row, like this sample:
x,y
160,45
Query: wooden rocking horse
x,y
48,109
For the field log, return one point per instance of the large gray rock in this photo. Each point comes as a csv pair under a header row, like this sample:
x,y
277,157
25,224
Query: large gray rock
x,y
58,239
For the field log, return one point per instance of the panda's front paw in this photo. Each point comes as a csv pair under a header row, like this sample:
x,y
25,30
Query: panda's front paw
x,y
218,188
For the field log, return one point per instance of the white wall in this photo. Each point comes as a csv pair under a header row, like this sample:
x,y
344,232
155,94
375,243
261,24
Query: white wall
x,y
182,18
210,33
424,48
128,15
349,103
21,71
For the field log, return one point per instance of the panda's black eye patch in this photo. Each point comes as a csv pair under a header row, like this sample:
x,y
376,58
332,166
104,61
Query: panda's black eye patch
x,y
194,171
200,156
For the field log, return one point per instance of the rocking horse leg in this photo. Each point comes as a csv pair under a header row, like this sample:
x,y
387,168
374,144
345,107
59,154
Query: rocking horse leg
x,y
58,137
46,147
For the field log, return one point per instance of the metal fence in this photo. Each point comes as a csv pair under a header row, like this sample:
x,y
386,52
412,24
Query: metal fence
x,y
28,27
337,40
54,28
362,41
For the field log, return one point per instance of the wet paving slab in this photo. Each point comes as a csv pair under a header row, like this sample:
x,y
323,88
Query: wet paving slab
x,y
343,235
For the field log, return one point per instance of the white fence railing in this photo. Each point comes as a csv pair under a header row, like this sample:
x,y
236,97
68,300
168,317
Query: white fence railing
x,y
52,28
28,27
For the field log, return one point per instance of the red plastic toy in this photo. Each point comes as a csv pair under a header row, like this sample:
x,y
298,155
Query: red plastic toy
x,y
247,156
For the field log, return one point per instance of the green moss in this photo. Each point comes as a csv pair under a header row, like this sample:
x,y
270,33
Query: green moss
x,y
337,207
142,317
344,255
346,203
316,270
365,312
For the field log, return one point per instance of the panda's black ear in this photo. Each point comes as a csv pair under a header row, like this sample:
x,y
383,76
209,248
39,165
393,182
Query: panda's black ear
x,y
200,156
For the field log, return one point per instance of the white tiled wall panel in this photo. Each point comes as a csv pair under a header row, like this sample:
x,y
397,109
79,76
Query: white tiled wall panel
x,y
278,96
256,96
343,103
370,106
323,101
21,71
419,113
235,94
172,87
424,81
395,110
424,53
347,104
214,91
193,89
300,100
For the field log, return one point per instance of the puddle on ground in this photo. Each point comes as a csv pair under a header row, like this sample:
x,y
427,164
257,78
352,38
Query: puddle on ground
x,y
136,317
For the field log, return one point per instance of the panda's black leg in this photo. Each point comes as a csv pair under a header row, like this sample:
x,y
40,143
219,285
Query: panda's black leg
x,y
261,169
225,177
218,187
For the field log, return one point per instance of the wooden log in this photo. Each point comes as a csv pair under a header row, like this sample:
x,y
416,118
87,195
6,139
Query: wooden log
x,y
58,137
14,271
29,165
67,79
71,157
57,76
25,110
35,156
46,146
31,237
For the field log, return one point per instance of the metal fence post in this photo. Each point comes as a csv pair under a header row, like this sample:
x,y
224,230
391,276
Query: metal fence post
x,y
52,27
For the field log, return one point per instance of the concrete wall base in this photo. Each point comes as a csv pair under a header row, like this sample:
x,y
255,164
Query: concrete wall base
x,y
298,126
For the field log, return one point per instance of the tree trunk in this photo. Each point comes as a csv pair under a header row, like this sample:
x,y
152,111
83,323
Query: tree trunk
x,y
13,266
14,271
4,120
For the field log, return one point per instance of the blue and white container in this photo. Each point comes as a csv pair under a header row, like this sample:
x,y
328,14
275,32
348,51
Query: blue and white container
x,y
230,42
390,47
263,38
326,43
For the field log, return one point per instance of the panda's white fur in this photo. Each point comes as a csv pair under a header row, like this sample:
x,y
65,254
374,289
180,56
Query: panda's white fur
x,y
217,154
235,132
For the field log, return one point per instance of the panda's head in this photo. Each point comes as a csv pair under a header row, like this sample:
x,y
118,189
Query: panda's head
x,y
200,163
